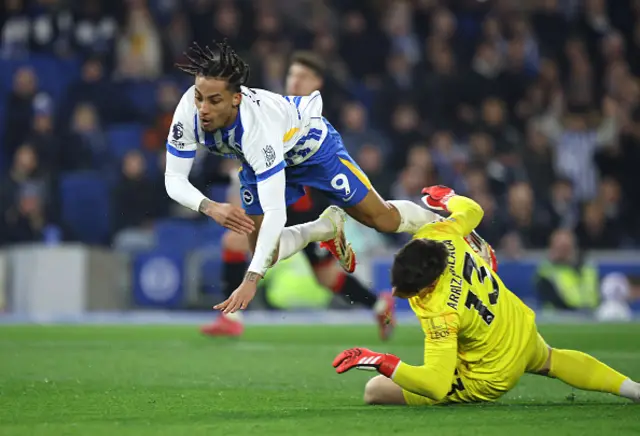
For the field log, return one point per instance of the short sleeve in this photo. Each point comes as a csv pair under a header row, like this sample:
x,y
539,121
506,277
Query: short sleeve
x,y
181,140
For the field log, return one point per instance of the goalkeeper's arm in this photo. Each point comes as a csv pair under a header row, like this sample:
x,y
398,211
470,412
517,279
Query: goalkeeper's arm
x,y
434,378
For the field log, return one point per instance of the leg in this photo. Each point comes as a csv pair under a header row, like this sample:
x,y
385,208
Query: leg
x,y
381,390
585,372
329,274
396,216
235,252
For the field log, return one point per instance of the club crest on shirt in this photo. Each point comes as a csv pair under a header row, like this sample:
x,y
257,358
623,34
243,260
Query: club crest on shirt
x,y
177,130
247,197
269,155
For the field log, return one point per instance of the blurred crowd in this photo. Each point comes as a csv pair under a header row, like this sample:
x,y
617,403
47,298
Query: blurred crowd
x,y
530,107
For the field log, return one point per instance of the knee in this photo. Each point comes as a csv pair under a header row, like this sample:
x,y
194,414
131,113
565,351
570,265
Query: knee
x,y
375,390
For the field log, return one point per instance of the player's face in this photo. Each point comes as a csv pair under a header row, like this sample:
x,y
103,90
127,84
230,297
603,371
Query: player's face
x,y
302,80
216,103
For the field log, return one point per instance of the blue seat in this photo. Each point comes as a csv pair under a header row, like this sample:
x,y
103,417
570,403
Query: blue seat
x,y
142,95
123,138
54,75
177,236
85,206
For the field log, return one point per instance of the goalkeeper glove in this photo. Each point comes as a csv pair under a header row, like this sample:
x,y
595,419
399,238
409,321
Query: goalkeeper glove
x,y
437,197
365,359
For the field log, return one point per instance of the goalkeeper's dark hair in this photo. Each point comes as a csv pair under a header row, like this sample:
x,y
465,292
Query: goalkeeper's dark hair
x,y
219,61
417,266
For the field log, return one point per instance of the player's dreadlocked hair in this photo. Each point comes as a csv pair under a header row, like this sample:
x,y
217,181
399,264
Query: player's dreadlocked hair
x,y
220,61
418,265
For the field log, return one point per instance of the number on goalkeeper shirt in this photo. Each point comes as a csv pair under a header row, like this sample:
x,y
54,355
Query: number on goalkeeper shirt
x,y
472,301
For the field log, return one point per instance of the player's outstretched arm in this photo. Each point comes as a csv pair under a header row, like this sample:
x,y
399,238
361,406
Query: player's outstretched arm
x,y
431,380
180,189
466,214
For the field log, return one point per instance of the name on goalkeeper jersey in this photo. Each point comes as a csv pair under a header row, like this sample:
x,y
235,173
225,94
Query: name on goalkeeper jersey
x,y
455,284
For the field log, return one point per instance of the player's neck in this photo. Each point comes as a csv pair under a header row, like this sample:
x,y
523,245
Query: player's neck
x,y
232,118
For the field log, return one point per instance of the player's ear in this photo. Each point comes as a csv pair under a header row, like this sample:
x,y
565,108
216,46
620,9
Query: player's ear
x,y
237,98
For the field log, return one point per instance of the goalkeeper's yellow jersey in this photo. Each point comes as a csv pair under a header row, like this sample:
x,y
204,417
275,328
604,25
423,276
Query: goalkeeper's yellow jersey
x,y
470,305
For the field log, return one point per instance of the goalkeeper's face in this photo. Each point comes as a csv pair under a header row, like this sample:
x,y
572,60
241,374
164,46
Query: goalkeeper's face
x,y
217,103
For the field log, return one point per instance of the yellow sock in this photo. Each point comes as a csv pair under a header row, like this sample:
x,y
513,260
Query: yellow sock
x,y
585,372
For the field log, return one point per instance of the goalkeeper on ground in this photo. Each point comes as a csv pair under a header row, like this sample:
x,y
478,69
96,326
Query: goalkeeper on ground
x,y
479,337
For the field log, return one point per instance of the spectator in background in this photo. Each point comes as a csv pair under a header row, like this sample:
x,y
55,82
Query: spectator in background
x,y
17,202
135,197
594,231
610,194
18,120
406,130
398,84
86,146
564,281
94,87
492,226
371,159
537,159
551,28
494,121
363,46
441,87
576,143
15,31
139,49
356,130
448,159
479,83
562,206
520,30
524,218
155,136
43,137
26,220
95,30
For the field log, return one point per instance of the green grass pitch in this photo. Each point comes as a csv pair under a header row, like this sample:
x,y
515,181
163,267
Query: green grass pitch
x,y
160,380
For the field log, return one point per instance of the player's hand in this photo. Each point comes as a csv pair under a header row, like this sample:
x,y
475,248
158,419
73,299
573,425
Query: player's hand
x,y
483,248
437,197
240,298
365,359
232,217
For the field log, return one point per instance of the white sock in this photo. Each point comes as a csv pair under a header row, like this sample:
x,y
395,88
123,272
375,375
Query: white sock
x,y
412,216
380,306
295,238
235,316
630,390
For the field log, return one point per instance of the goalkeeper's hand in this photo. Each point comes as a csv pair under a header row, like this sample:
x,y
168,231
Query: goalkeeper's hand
x,y
365,359
437,197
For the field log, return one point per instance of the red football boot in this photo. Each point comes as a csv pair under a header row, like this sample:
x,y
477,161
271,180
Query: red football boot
x,y
223,326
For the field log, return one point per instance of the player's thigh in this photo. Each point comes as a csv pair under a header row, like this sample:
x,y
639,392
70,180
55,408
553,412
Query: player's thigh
x,y
383,391
376,213
538,355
